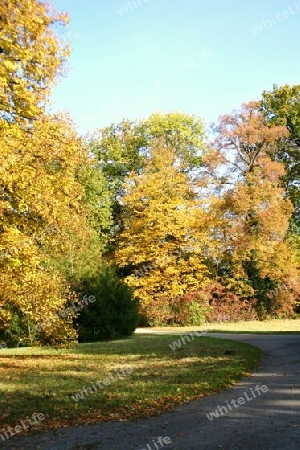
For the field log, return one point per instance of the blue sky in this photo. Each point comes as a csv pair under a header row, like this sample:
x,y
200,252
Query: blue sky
x,y
201,57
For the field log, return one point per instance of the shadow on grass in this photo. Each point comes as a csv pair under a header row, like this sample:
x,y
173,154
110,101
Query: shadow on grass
x,y
161,378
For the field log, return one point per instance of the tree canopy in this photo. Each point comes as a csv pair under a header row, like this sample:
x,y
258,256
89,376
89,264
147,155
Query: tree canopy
x,y
282,107
146,214
31,57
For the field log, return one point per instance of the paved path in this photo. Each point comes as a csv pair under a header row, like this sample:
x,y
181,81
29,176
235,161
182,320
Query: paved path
x,y
270,421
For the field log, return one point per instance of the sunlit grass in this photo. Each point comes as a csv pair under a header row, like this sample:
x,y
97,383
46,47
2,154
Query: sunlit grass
x,y
44,380
254,326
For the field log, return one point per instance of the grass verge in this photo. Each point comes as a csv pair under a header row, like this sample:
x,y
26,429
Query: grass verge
x,y
46,380
274,326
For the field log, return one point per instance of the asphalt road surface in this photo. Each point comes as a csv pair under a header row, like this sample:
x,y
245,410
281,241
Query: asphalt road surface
x,y
251,417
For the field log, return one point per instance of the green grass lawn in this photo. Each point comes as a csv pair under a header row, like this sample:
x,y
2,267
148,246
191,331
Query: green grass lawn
x,y
44,380
275,326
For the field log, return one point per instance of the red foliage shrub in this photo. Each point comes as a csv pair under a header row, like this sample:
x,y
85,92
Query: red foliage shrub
x,y
157,312
216,304
176,310
283,304
228,306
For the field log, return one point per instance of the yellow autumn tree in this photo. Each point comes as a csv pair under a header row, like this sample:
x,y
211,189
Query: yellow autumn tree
x,y
31,57
43,222
253,211
44,227
164,228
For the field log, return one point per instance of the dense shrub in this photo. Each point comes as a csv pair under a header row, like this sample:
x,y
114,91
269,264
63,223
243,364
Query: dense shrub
x,y
228,306
18,330
198,312
157,312
23,332
113,314
182,310
283,304
219,303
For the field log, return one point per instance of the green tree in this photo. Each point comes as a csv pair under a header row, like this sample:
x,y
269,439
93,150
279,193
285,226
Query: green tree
x,y
281,106
97,198
113,314
125,147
